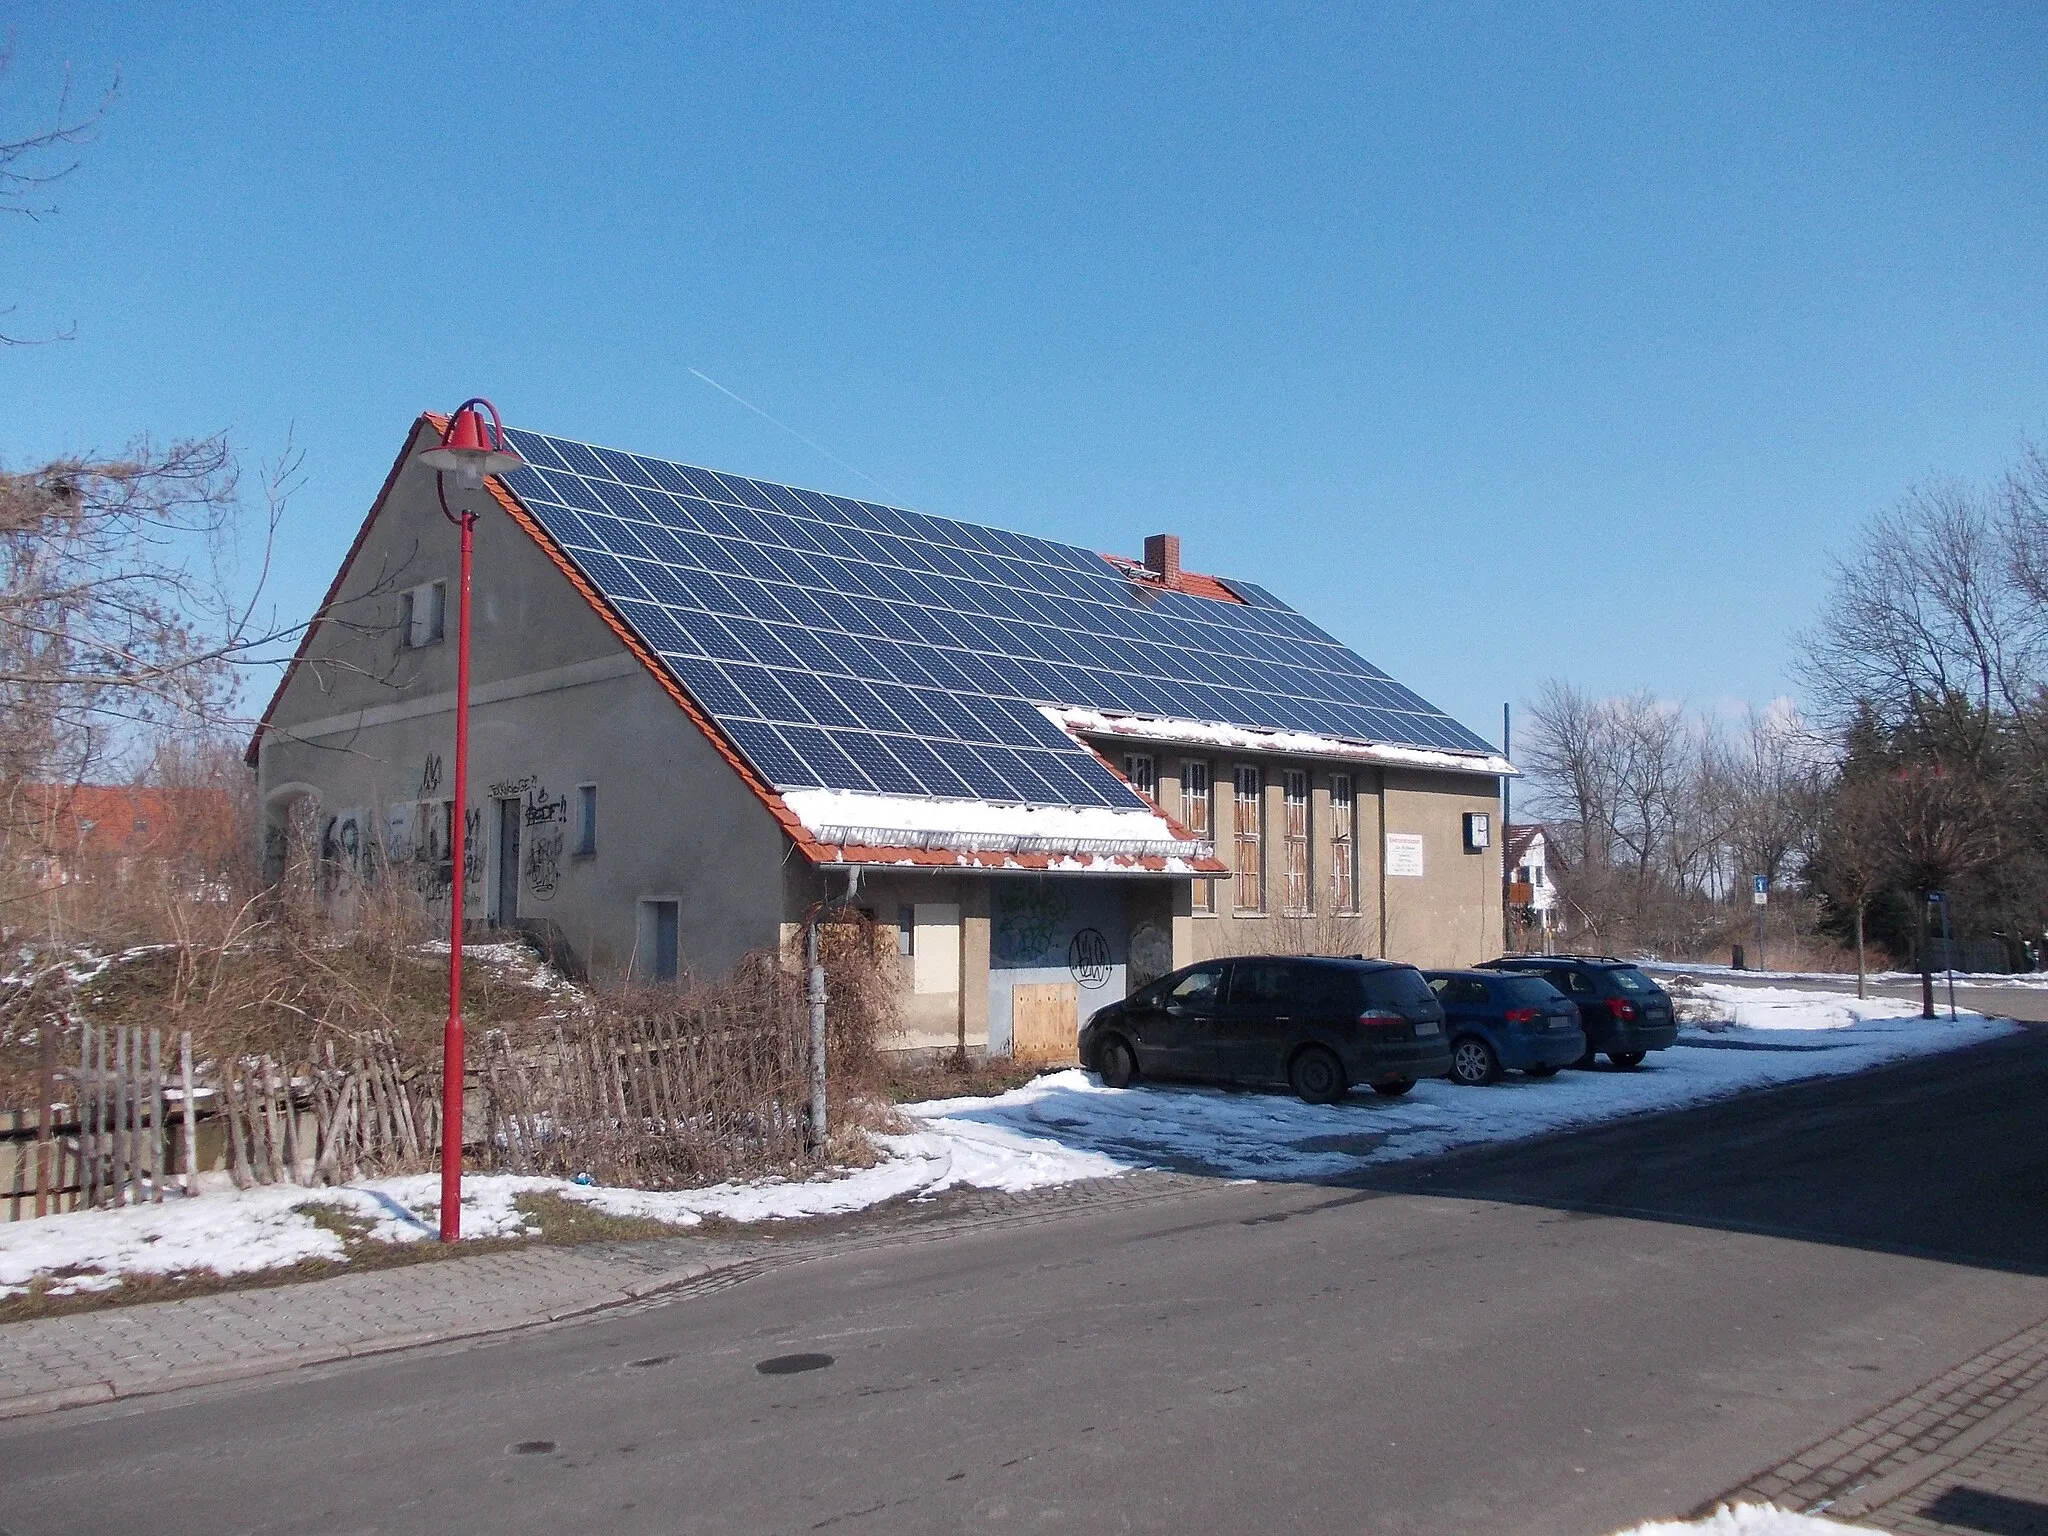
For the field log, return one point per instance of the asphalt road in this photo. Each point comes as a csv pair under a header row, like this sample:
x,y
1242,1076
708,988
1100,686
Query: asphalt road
x,y
1556,1337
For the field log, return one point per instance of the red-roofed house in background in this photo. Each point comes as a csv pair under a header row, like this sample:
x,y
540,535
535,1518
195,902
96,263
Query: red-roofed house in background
x,y
701,703
107,829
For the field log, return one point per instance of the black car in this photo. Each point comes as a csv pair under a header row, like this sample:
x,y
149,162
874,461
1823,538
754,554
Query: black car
x,y
1623,1012
1318,1025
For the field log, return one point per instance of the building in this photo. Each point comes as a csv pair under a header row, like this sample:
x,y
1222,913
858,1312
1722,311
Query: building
x,y
703,703
1530,890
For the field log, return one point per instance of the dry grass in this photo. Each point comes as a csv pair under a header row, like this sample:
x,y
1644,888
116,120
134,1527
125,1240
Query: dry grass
x,y
905,1083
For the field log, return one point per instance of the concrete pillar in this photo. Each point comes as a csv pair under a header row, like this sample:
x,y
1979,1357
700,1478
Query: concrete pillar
x,y
974,917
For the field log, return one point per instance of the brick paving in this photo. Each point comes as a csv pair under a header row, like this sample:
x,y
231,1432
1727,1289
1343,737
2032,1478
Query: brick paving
x,y
1964,1455
125,1351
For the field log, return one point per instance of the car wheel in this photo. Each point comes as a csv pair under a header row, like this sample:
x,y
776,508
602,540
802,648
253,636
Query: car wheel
x,y
1393,1088
1544,1069
1317,1075
1116,1062
1473,1064
1627,1060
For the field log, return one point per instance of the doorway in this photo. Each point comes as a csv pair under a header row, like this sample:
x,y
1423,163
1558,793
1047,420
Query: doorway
x,y
505,909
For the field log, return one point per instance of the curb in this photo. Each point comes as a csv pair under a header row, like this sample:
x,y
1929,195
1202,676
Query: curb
x,y
33,1404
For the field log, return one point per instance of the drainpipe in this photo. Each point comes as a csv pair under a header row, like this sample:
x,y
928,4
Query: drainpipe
x,y
818,997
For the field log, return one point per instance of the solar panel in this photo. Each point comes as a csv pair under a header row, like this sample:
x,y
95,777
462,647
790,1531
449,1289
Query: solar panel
x,y
849,645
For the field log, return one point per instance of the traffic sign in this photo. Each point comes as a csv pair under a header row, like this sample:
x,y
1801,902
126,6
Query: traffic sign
x,y
1761,890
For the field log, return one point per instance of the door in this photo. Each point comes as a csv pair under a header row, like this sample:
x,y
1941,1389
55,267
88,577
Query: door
x,y
1176,1040
507,903
1260,1021
1045,1023
667,945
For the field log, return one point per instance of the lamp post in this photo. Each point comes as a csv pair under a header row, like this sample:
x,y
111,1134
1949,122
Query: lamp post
x,y
471,448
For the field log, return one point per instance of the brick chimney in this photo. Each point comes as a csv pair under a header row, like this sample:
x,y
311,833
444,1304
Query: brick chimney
x,y
1162,557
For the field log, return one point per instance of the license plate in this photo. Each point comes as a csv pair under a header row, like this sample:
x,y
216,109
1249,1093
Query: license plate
x,y
1425,1028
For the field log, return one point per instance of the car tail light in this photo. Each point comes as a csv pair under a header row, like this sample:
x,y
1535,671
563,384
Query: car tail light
x,y
1380,1018
1521,1015
1622,1009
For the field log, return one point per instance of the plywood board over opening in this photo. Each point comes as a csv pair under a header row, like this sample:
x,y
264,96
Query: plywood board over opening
x,y
1044,1023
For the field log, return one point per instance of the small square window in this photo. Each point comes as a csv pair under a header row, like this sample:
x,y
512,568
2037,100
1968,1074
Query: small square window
x,y
586,819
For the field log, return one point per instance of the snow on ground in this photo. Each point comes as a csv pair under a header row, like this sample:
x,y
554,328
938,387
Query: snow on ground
x,y
1056,1129
1748,1520
1760,1039
235,1232
2028,980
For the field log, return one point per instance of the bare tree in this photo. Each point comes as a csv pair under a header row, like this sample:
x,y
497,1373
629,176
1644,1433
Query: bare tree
x,y
34,161
1852,863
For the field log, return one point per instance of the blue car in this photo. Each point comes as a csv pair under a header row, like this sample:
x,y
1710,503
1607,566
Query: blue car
x,y
1497,1020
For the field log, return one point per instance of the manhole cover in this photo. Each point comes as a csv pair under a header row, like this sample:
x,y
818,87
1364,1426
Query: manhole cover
x,y
530,1448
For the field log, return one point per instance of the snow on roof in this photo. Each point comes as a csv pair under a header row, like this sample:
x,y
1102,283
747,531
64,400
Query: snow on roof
x,y
849,818
1202,733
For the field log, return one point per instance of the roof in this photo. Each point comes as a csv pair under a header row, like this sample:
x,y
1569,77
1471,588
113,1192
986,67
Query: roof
x,y
901,688
125,820
851,646
1520,835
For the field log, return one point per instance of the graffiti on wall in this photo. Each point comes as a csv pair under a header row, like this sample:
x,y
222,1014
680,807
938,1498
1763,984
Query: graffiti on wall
x,y
1151,954
1088,958
546,820
1028,923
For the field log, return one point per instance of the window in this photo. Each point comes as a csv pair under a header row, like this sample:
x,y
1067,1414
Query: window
x,y
1138,769
1249,826
1298,898
1194,815
1262,983
906,930
422,613
586,819
1198,987
1343,844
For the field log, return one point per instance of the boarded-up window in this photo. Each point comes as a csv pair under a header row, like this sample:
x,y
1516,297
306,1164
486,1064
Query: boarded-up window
x,y
1138,769
1343,844
1194,815
1249,827
1298,898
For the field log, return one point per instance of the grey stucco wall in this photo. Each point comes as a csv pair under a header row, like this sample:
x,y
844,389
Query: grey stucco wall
x,y
557,702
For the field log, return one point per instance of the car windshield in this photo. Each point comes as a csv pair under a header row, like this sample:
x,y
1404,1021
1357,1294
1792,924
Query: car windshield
x,y
1401,986
1524,991
1629,979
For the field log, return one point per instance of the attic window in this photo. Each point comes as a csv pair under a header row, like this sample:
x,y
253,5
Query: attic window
x,y
422,614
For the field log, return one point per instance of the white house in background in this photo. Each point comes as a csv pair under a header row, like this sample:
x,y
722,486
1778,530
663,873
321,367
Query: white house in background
x,y
1531,892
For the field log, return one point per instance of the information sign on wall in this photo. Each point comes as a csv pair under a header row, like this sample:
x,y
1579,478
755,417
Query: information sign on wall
x,y
1404,854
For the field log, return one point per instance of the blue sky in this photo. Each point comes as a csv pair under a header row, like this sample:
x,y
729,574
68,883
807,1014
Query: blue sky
x,y
1508,342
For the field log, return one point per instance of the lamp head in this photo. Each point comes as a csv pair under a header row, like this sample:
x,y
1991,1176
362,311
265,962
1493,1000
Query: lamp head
x,y
472,447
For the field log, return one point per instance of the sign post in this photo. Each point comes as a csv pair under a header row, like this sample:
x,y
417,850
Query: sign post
x,y
1948,950
1761,895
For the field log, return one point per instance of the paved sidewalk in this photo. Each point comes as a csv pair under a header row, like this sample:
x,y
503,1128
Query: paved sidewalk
x,y
127,1351
1965,1454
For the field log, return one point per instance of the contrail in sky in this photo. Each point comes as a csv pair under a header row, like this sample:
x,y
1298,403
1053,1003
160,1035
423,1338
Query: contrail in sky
x,y
792,431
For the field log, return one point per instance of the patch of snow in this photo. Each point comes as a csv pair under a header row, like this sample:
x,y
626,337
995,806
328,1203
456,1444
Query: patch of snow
x,y
1202,733
1240,1134
845,817
1748,1520
2031,980
237,1232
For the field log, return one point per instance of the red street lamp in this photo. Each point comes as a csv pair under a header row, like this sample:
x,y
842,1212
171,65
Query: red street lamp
x,y
471,448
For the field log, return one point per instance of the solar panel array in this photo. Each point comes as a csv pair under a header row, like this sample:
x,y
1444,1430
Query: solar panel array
x,y
847,645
